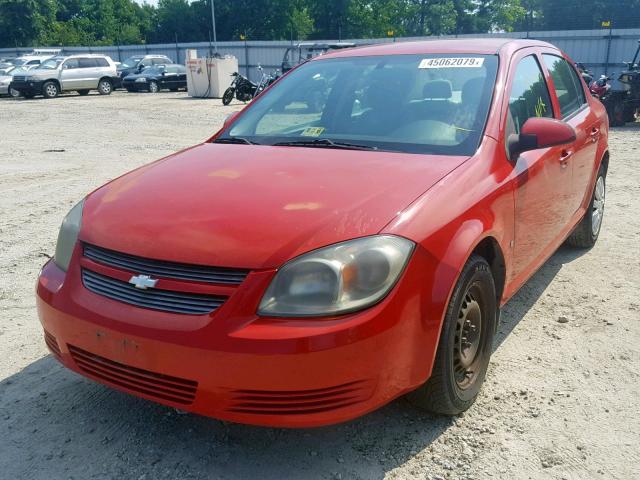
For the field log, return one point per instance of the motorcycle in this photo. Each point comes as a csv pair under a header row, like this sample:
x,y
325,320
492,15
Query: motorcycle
x,y
600,88
244,89
241,87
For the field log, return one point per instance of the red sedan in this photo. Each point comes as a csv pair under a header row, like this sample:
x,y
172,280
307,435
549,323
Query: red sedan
x,y
349,237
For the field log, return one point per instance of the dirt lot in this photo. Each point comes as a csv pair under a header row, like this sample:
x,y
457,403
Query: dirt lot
x,y
561,399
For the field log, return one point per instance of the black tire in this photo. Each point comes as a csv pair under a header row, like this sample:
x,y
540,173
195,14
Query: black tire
x,y
13,92
227,96
105,87
50,89
616,113
629,114
460,367
154,87
585,235
83,92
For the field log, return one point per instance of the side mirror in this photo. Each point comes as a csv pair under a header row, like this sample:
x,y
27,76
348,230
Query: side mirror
x,y
539,132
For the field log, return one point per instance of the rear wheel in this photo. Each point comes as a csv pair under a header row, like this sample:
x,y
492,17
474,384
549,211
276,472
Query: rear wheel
x,y
50,90
153,87
13,92
227,96
465,343
105,87
586,233
616,113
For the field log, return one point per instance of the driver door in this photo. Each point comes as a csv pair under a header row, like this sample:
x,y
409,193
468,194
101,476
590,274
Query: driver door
x,y
71,75
543,182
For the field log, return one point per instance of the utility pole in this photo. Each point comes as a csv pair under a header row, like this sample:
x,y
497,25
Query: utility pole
x,y
213,23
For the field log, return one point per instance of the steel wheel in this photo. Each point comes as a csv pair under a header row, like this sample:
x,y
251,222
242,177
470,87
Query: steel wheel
x,y
104,87
597,209
467,353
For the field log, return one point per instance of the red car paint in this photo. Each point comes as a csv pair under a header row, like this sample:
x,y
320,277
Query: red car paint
x,y
255,207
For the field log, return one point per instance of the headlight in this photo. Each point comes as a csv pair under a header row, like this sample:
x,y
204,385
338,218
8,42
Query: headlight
x,y
68,236
141,80
341,278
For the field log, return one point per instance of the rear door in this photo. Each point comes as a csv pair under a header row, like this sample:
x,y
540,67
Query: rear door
x,y
543,176
182,77
574,109
90,75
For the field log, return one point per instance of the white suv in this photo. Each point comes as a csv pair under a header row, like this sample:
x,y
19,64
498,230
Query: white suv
x,y
81,73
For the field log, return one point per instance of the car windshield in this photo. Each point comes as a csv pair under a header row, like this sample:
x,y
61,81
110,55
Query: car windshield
x,y
50,64
406,103
131,62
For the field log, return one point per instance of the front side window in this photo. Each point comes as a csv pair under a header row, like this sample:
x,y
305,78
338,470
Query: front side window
x,y
529,96
407,103
71,63
567,85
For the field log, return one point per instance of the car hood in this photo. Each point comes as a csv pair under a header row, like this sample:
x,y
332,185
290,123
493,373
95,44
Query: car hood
x,y
254,207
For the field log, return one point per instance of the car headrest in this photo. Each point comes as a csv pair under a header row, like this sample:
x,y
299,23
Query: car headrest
x,y
472,91
437,89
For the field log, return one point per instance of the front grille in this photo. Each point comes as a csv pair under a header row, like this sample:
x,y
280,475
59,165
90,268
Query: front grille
x,y
52,343
19,78
160,268
294,402
153,298
163,387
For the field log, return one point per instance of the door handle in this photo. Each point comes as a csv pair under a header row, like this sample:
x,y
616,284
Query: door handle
x,y
595,131
564,157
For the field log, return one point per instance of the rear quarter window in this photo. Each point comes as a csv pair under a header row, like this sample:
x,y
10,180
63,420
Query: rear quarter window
x,y
102,62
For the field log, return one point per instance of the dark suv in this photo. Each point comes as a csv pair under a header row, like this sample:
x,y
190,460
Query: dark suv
x,y
137,63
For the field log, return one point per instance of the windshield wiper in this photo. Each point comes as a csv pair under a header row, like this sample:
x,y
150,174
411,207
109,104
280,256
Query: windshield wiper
x,y
241,140
324,142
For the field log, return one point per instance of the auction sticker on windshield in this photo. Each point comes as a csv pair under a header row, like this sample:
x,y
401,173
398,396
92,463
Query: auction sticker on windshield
x,y
461,62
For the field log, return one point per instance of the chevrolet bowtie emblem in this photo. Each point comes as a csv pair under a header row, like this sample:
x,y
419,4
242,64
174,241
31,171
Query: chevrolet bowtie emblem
x,y
143,281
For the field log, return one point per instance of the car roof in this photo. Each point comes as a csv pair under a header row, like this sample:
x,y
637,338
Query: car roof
x,y
480,46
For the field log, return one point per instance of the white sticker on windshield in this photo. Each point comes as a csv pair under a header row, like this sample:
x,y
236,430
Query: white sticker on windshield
x,y
461,62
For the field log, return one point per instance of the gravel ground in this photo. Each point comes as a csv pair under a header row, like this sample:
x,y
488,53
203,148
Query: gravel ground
x,y
560,401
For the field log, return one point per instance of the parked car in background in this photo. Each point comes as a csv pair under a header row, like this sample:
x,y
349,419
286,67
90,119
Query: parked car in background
x,y
81,73
36,57
160,77
304,268
137,63
6,77
305,51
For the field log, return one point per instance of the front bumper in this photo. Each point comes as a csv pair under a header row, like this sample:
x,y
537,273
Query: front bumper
x,y
236,366
28,86
4,89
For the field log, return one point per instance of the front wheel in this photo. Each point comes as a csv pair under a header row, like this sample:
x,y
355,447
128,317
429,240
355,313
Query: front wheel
x,y
105,87
227,96
50,90
586,233
465,344
13,92
153,87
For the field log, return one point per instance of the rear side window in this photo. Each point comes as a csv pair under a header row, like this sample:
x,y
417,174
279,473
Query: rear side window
x,y
567,84
529,95
102,62
160,61
86,63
